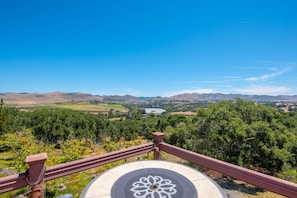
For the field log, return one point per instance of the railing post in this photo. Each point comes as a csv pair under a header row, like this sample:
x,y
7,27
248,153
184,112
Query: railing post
x,y
158,137
35,174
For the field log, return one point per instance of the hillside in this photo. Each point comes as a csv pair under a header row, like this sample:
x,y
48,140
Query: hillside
x,y
35,99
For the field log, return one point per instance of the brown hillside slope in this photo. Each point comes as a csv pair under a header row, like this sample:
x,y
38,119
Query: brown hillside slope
x,y
24,99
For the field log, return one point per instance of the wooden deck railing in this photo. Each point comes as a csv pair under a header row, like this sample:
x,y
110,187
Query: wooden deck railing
x,y
37,173
273,184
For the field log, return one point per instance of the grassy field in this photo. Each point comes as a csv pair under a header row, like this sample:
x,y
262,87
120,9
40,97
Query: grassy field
x,y
87,107
81,106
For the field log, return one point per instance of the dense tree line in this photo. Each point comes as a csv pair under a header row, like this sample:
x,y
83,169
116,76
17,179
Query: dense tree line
x,y
52,126
237,131
243,133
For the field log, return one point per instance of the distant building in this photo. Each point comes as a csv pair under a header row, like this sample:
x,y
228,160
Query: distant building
x,y
154,111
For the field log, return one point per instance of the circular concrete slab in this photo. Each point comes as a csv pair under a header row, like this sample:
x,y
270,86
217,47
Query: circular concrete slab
x,y
147,179
153,182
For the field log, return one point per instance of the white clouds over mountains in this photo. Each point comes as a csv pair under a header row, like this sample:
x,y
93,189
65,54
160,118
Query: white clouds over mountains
x,y
268,76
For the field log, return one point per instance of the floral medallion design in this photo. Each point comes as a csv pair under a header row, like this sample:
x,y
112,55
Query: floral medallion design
x,y
153,187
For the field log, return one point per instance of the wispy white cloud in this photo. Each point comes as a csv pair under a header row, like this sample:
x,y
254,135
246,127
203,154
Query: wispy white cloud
x,y
274,74
252,79
130,91
278,63
273,69
265,82
266,77
263,90
123,91
172,93
213,82
231,77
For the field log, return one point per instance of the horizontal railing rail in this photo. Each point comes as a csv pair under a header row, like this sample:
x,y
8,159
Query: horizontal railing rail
x,y
12,182
267,182
17,181
91,162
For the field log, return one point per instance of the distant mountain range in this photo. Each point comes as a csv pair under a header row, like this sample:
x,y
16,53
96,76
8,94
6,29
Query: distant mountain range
x,y
220,96
27,99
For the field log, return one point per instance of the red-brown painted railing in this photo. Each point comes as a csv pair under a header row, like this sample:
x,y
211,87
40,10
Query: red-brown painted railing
x,y
267,182
37,173
12,182
17,181
91,162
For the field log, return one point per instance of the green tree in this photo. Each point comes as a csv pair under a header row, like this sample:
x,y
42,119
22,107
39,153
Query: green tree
x,y
244,133
21,144
3,115
73,148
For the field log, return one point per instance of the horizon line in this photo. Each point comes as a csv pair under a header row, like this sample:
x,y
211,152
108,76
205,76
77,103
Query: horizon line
x,y
80,92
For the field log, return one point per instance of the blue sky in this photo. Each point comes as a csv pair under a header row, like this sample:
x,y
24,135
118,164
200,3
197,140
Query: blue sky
x,y
149,48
